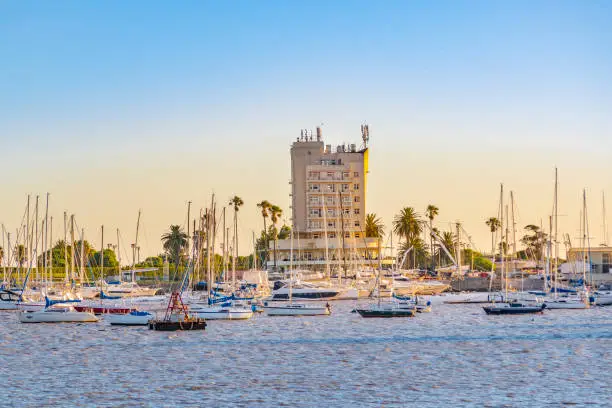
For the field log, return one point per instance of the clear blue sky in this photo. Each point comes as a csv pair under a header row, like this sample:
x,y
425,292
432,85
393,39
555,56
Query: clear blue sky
x,y
128,96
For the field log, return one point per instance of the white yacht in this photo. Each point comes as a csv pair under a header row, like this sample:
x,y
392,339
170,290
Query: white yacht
x,y
297,309
225,311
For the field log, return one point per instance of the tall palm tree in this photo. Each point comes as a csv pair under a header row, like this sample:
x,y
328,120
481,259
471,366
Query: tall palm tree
x,y
374,227
236,202
275,213
431,212
264,206
20,255
408,225
448,240
494,224
174,243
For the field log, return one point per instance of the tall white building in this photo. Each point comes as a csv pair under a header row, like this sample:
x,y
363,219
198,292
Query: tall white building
x,y
328,206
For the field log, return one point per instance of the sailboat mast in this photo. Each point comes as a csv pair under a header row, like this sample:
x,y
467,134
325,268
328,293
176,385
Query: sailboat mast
x,y
504,273
102,255
556,231
65,248
135,248
605,225
51,251
327,272
35,255
119,255
46,241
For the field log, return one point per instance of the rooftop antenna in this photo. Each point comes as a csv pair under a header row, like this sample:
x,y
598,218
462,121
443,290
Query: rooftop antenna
x,y
365,135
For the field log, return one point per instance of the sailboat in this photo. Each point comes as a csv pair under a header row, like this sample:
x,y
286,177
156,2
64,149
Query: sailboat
x,y
59,314
216,307
510,306
582,300
295,309
386,309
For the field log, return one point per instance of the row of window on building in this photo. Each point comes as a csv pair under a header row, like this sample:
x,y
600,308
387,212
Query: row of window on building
x,y
331,213
332,200
333,235
331,188
331,175
314,225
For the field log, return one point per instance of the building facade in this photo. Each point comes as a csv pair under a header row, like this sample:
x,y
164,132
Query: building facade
x,y
328,206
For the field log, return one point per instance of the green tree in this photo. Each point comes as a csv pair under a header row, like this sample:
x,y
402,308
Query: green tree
x,y
374,227
174,243
285,232
407,224
448,240
110,259
20,255
265,206
494,224
275,214
535,241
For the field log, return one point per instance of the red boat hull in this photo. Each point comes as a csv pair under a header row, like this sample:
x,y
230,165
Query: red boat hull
x,y
98,310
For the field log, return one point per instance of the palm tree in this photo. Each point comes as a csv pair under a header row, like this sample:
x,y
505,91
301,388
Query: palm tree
x,y
175,242
494,224
236,202
408,225
430,212
374,227
275,213
20,255
265,205
448,240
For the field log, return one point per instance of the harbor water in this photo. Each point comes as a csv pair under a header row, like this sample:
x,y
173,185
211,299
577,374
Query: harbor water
x,y
454,356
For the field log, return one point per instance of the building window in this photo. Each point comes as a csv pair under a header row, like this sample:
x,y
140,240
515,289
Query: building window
x,y
314,175
355,186
346,174
347,211
356,174
332,235
357,235
314,187
330,200
356,223
330,187
347,235
331,224
345,187
356,211
346,200
330,175
315,212
357,199
316,236
314,200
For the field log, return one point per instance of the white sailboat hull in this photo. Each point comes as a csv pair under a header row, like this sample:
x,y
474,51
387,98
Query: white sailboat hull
x,y
222,313
566,304
129,319
603,300
56,316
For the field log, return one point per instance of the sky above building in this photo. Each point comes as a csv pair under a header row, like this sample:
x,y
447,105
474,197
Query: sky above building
x,y
116,106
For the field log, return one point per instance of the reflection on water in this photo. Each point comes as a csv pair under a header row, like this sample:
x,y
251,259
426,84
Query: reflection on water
x,y
454,356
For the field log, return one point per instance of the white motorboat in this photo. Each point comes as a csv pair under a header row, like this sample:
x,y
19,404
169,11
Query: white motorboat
x,y
221,312
135,318
603,298
403,285
309,291
56,314
567,302
297,309
129,289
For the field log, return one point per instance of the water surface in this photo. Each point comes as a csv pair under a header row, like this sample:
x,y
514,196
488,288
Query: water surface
x,y
454,356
